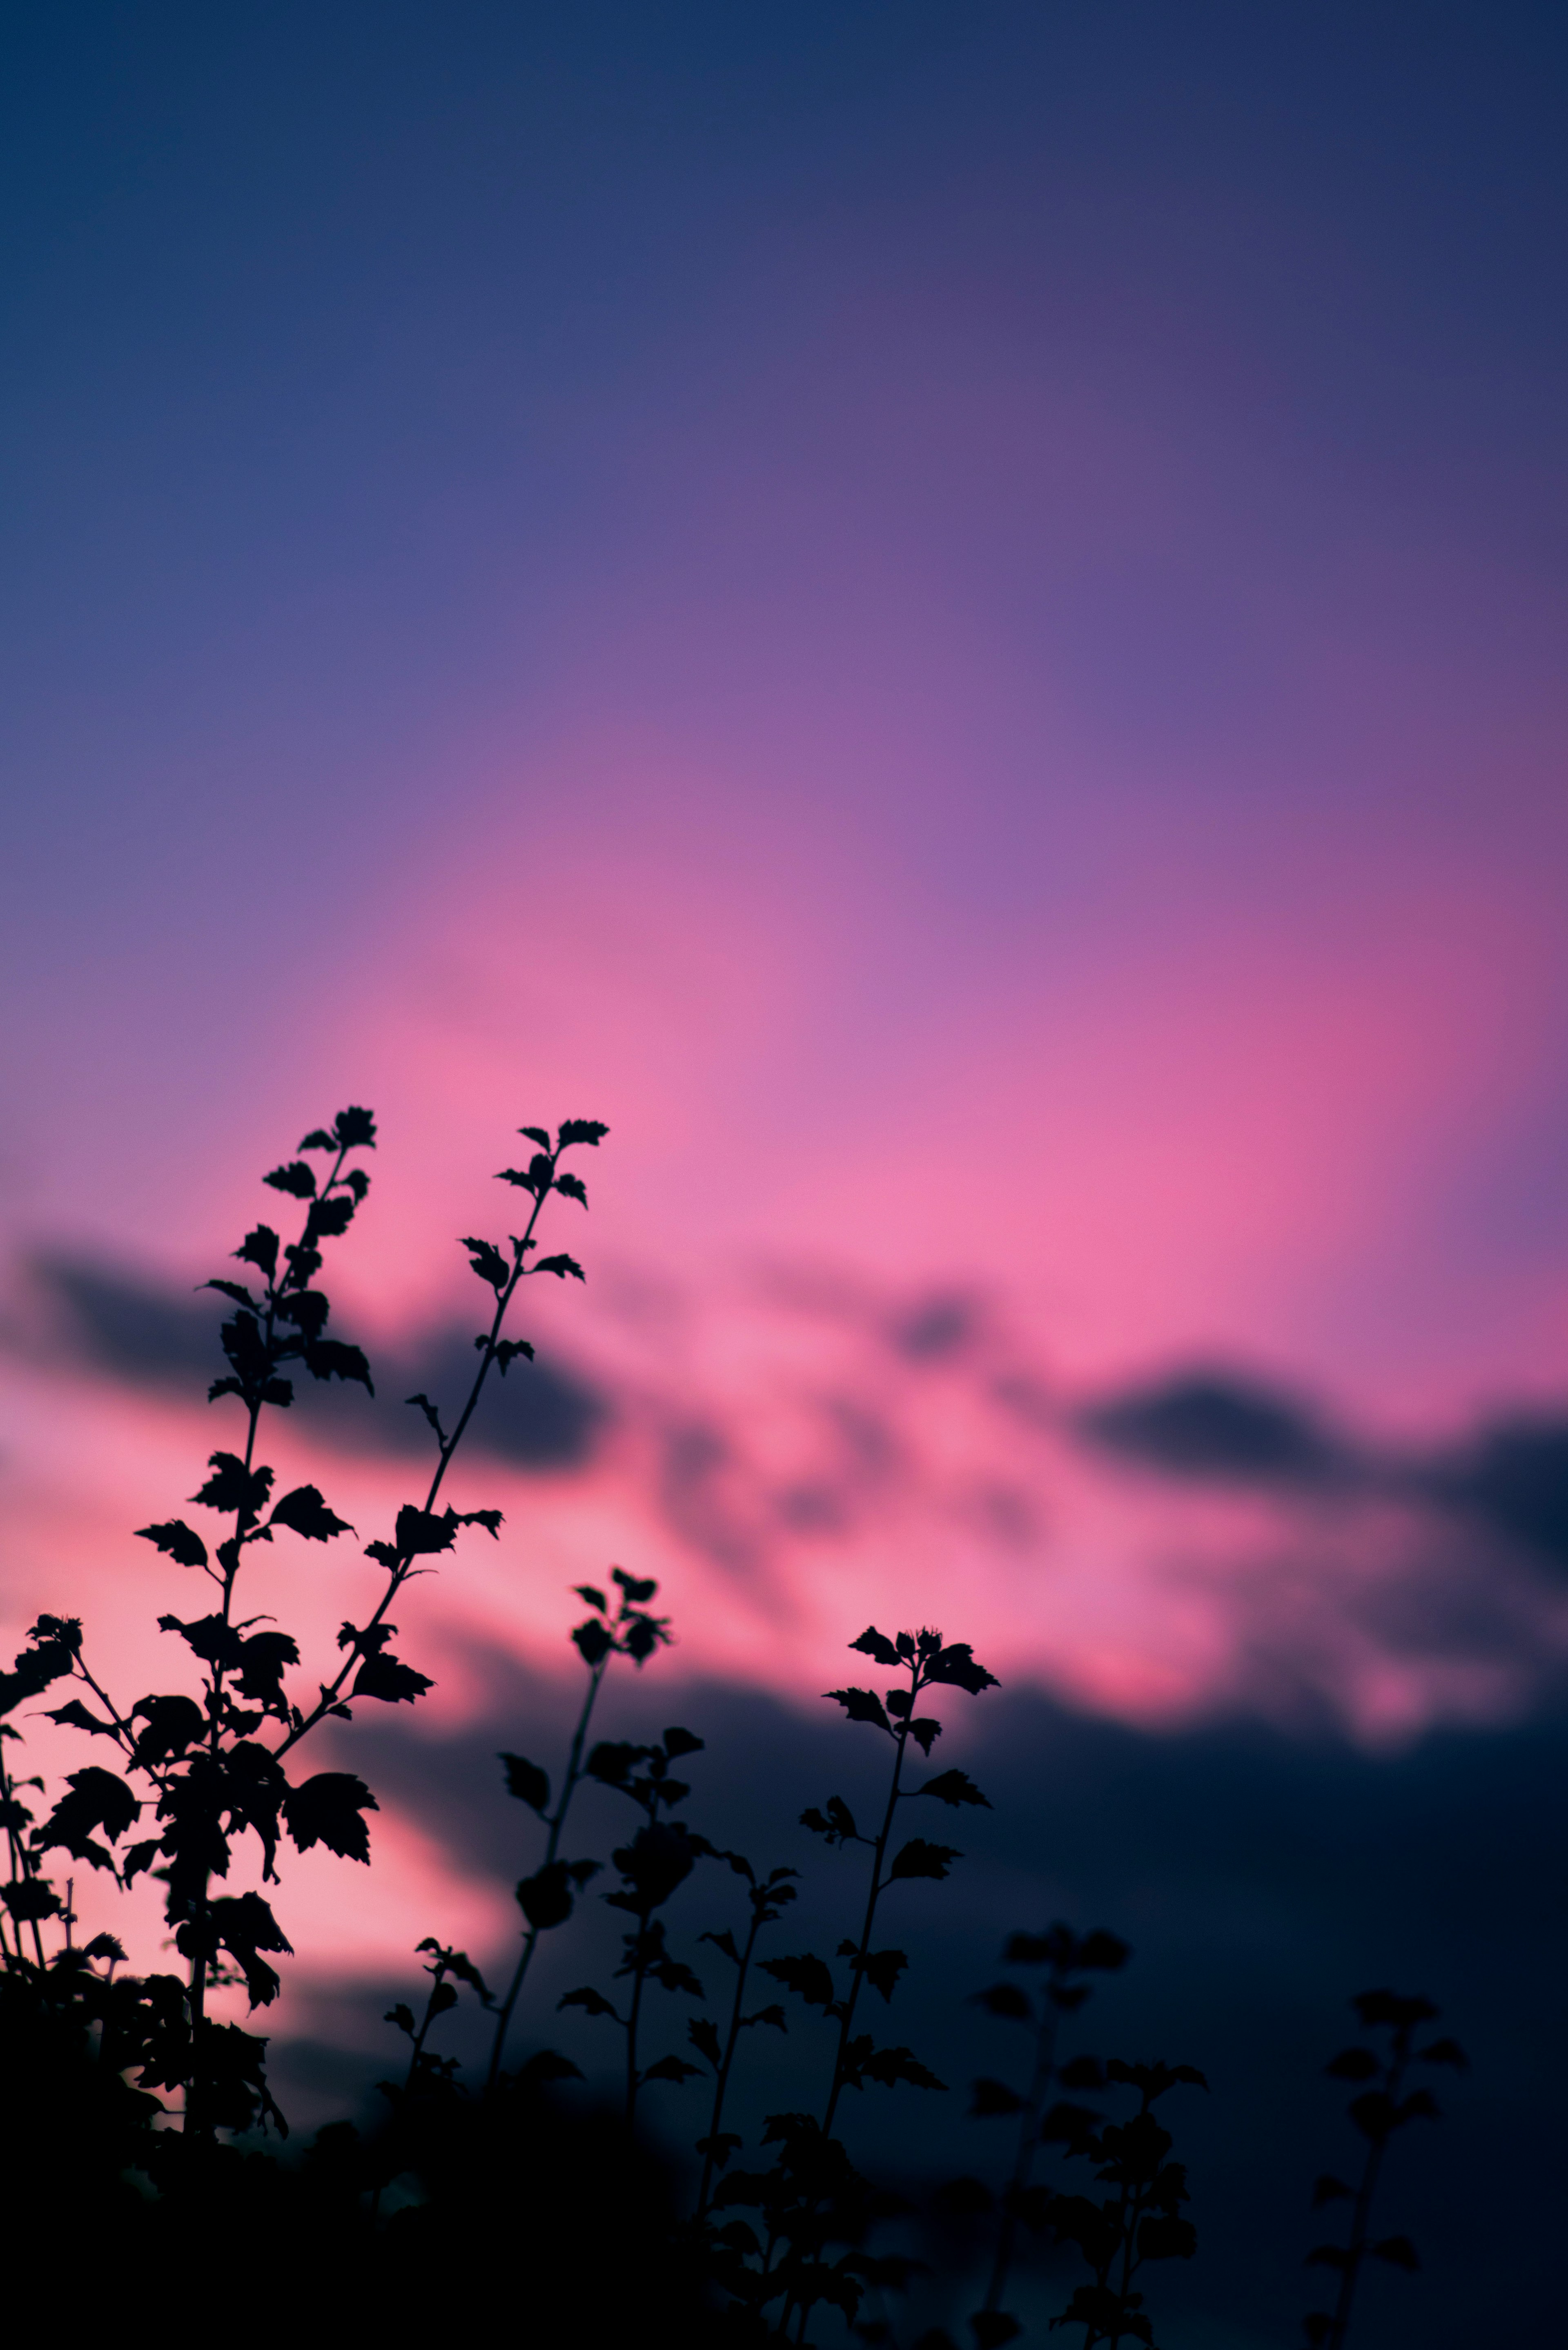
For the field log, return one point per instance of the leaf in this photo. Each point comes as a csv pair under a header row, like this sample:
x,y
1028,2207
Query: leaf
x,y
703,2034
954,1787
394,1683
882,1968
919,1858
507,1350
207,1636
862,1705
174,1723
1445,2052
774,2016
421,1533
329,1358
571,1188
329,1809
99,1799
262,1660
806,1976
1399,2250
234,1289
594,1640
29,1897
890,2066
592,2001
561,1266
233,1486
353,1129
956,1667
875,1644
296,1179
1006,2000
75,1716
527,1782
724,1941
925,1729
993,2327
140,1856
673,2068
304,1513
534,1134
1166,2237
487,1262
678,1741
1329,2189
176,1541
329,1218
545,1897
260,1248
545,2066
993,2097
575,1130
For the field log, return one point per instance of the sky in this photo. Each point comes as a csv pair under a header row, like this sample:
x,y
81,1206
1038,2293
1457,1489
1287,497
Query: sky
x,y
951,616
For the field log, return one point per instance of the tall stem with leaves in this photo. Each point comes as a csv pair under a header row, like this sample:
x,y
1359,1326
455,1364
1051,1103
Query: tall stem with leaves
x,y
766,1901
546,1898
1380,2108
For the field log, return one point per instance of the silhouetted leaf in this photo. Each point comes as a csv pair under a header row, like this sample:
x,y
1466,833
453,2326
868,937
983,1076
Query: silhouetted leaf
x,y
594,1640
677,1742
876,1645
806,1976
76,1717
176,1542
507,1350
704,2036
545,1897
174,1723
99,1799
329,1358
561,1266
295,1178
234,1289
994,2097
862,1705
919,1858
263,1657
890,2066
1007,2000
579,1129
29,1897
394,1683
527,1782
1329,2189
487,1262
925,1729
592,2001
304,1513
954,1787
233,1486
260,1248
1445,2052
1399,2250
329,1809
956,1666
882,1968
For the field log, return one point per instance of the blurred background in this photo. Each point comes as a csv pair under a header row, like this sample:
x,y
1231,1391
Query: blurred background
x,y
951,616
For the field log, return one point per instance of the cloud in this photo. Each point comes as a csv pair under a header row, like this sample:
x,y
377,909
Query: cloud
x,y
1513,1478
540,1416
1218,1425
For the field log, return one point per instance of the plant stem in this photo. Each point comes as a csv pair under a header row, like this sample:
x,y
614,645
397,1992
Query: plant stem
x,y
900,1739
1028,2139
557,1823
722,2083
1360,2225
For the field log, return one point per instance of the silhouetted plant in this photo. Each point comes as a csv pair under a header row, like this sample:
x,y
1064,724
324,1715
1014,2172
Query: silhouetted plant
x,y
1141,2220
1379,2109
659,1859
766,1899
1063,1957
814,2197
211,1777
546,1898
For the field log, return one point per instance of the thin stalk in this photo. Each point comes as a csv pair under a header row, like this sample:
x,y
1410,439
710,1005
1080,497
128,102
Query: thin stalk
x,y
1023,2160
722,2083
1360,2225
900,1739
557,1823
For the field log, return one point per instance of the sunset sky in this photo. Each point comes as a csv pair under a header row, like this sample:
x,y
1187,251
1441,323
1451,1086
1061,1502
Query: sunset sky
x,y
951,616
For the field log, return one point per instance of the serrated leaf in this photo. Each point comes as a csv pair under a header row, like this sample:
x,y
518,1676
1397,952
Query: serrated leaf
x,y
862,1705
561,1266
329,1809
954,1787
296,1179
527,1782
919,1858
877,1646
304,1513
177,1541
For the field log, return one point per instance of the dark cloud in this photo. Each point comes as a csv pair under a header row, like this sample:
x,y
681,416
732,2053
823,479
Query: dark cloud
x,y
1218,1425
936,1328
539,1416
1260,1878
1513,1478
